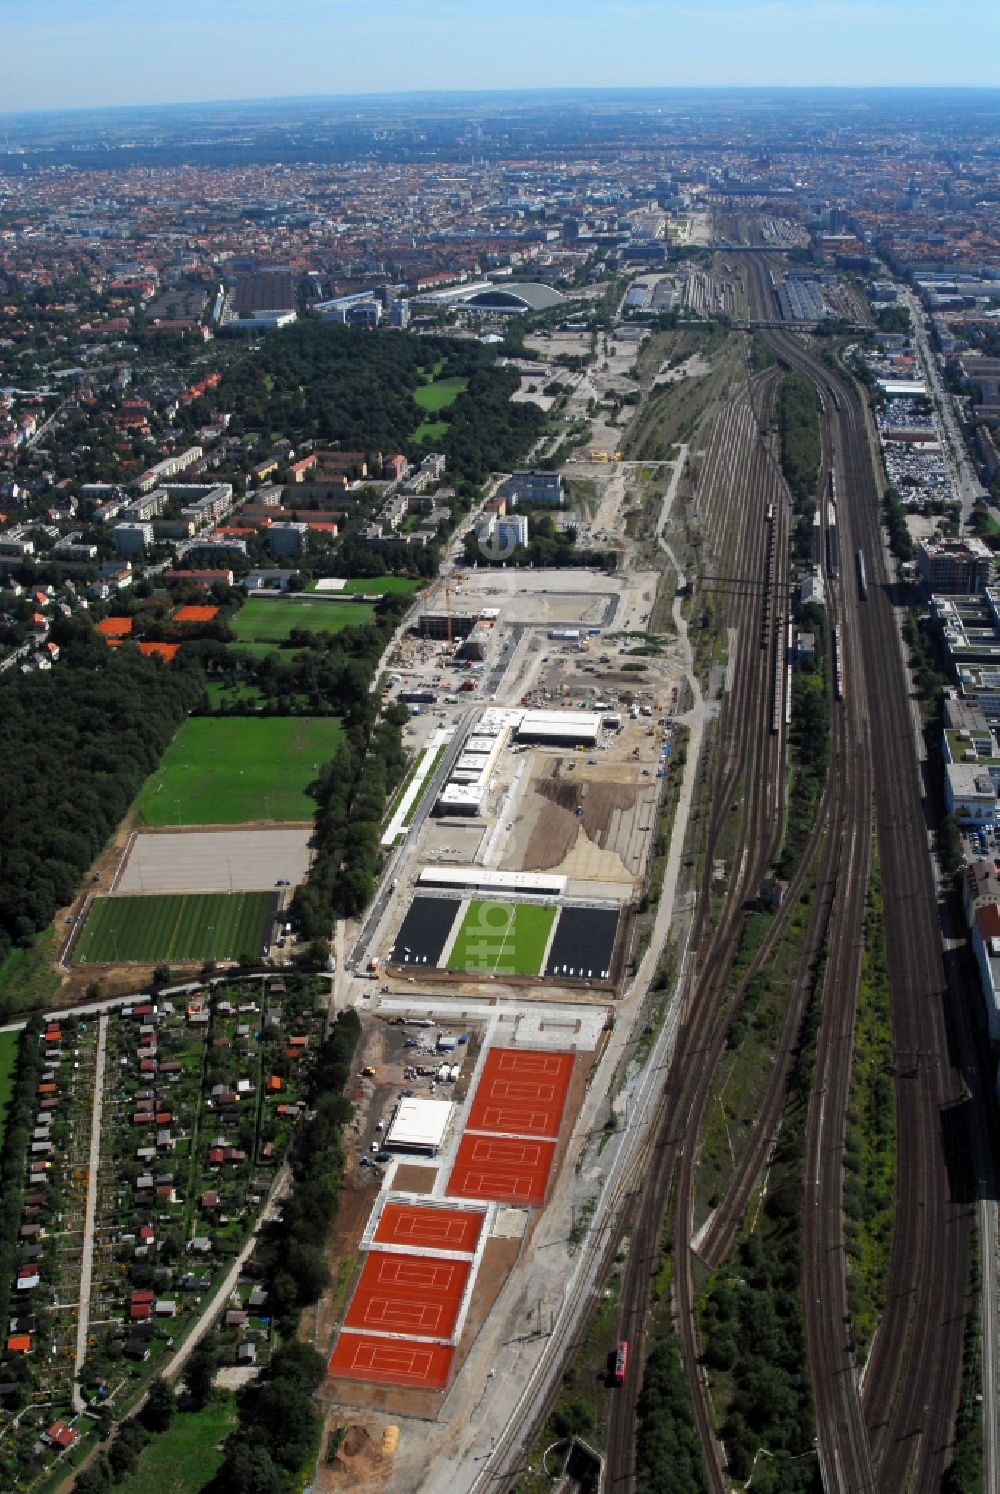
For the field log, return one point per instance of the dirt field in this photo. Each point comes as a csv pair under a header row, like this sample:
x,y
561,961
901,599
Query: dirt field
x,y
216,860
618,809
411,1178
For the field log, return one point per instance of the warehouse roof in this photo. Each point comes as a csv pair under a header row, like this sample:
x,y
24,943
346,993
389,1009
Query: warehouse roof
x,y
419,1125
560,724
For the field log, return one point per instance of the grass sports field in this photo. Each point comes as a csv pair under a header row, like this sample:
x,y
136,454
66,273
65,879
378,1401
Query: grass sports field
x,y
262,626
181,926
231,770
502,938
439,394
369,585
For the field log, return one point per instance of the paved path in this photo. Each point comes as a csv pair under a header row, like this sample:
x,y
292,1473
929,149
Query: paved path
x,y
214,1306
87,1263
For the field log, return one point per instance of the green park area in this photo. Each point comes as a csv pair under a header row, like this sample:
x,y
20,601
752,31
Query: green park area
x,y
187,1456
28,979
502,938
261,625
175,926
430,430
237,769
9,1045
438,394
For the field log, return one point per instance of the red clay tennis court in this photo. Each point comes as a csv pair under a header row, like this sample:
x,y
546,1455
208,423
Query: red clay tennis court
x,y
195,613
428,1229
391,1361
411,1294
521,1092
506,1169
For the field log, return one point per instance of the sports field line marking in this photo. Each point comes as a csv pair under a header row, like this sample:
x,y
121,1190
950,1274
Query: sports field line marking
x,y
429,1229
425,1315
516,1187
410,1270
393,1356
513,1123
529,1150
522,1089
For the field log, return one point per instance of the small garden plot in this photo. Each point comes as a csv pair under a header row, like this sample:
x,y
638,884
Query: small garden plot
x,y
184,926
501,939
238,770
201,1101
262,626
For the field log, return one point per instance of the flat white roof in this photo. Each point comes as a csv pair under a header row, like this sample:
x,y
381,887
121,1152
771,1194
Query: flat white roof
x,y
495,881
473,760
902,387
480,744
458,793
419,1125
560,723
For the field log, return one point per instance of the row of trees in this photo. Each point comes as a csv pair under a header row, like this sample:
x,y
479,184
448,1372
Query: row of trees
x,y
900,540
76,745
352,791
668,1451
798,421
753,1327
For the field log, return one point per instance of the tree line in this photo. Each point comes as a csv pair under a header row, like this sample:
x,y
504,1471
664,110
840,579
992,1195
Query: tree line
x,y
352,792
798,423
77,744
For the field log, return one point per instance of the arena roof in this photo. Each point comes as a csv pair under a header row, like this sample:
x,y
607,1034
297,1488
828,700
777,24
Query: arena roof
x,y
513,295
524,295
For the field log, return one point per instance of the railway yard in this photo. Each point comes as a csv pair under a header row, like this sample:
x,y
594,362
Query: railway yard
x,y
465,895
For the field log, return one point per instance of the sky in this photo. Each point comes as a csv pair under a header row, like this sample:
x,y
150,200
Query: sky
x,y
91,53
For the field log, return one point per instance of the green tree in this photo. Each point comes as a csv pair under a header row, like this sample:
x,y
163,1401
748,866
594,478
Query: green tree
x,y
158,1412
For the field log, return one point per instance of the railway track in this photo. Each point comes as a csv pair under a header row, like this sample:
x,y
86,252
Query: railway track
x,y
912,1379
737,478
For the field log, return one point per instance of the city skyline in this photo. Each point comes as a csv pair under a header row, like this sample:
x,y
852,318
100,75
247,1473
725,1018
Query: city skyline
x,y
104,53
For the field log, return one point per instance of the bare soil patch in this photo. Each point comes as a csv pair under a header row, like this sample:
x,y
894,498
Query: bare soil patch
x,y
409,1178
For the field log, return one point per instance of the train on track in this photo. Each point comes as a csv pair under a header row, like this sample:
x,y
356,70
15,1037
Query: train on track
x,y
619,1363
859,560
838,665
832,544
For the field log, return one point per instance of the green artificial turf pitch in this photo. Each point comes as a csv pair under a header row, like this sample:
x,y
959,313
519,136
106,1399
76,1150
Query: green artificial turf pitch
x,y
502,938
236,769
177,926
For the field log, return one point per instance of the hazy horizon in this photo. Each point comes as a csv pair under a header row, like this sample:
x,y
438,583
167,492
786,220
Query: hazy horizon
x,y
111,54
